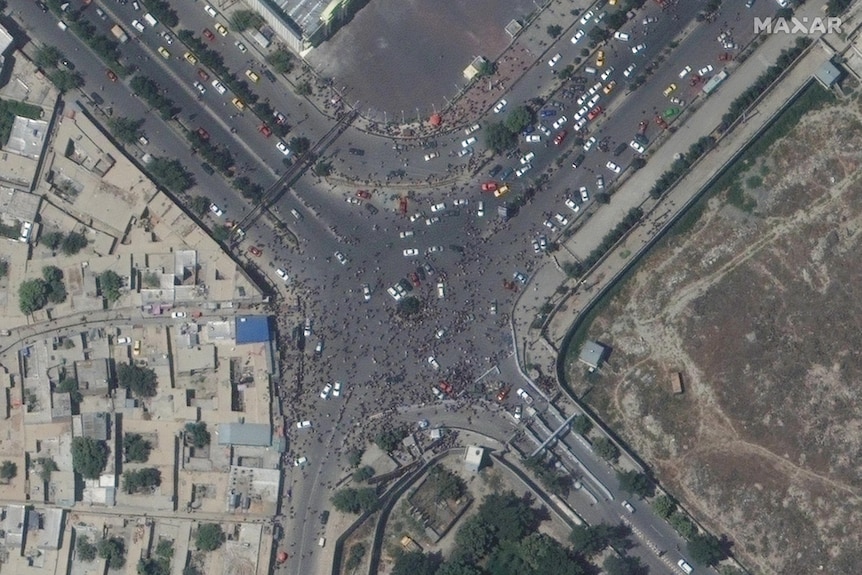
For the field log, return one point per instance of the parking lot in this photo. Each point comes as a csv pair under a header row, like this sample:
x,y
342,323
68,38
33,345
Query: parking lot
x,y
381,43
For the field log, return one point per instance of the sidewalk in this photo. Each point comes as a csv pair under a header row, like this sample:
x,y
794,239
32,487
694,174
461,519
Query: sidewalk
x,y
531,347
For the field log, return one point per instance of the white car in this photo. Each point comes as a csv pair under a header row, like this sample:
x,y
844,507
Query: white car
x,y
684,72
621,36
628,71
168,38
583,99
553,61
573,205
561,219
527,159
342,259
306,331
544,129
628,506
607,73
613,167
441,290
677,101
525,396
124,341
579,124
500,106
327,389
578,35
437,393
411,253
585,194
561,121
636,147
431,156
416,217
336,389
533,139
300,461
432,361
434,249
461,202
282,147
638,48
406,234
240,46
523,170
303,424
178,314
396,295
705,70
587,17
216,210
439,333
438,207
480,209
550,225
200,88
137,25
432,220
465,152
468,142
366,292
471,129
210,10
650,20
594,100
687,569
282,274
219,87
588,145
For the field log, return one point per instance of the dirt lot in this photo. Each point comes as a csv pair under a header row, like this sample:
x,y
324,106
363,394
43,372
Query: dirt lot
x,y
759,307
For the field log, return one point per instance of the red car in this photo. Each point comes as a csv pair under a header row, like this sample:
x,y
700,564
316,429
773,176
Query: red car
x,y
594,113
414,279
264,129
204,135
209,35
660,121
642,127
203,75
447,388
111,76
364,194
489,187
255,251
558,139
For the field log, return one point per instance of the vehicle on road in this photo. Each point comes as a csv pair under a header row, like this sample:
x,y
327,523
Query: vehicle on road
x,y
628,506
336,389
178,314
524,396
431,155
221,29
136,24
684,72
432,361
553,61
639,48
637,147
480,209
327,389
255,251
573,205
560,122
210,10
219,87
366,292
282,274
216,210
303,424
282,147
500,106
705,70
111,75
669,90
687,569
411,252
208,34
629,71
613,167
238,104
342,259
252,75
578,35
200,88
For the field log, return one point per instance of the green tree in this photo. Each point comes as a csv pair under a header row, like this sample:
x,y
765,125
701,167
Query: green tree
x,y
507,560
72,243
509,516
355,556
197,434
209,537
8,470
52,240
543,554
53,277
408,306
125,130
354,457
416,563
70,385
171,174
303,88
221,234
389,439
664,506
153,566
136,447
110,283
447,484
32,295
682,524
518,119
47,57
458,568
486,68
322,168
4,268
85,551
474,539
281,61
242,20
634,483
141,381
587,539
581,424
165,548
89,457
199,205
704,549
299,145
363,474
46,467
114,551
606,449
66,80
141,480
554,30
623,565
498,137
351,500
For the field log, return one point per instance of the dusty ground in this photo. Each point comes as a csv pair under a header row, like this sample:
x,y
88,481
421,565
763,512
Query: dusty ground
x,y
761,311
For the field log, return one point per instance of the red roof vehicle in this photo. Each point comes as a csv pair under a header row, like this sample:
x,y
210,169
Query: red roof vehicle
x,y
558,139
489,187
364,194
255,251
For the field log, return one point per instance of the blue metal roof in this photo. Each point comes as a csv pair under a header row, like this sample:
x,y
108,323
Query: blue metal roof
x,y
252,329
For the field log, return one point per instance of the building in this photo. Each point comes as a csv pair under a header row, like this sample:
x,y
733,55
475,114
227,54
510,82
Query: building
x,y
592,354
676,382
93,376
828,75
303,24
252,329
247,434
95,425
474,456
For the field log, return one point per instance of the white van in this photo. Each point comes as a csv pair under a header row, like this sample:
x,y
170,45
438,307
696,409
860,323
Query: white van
x,y
590,70
150,20
62,25
321,542
684,566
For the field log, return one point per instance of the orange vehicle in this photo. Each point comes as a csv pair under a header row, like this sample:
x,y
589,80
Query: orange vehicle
x,y
503,393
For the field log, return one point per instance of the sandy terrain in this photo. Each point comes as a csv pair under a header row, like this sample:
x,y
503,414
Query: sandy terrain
x,y
759,307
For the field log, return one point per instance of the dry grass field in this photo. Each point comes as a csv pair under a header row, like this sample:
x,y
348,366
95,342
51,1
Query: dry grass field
x,y
759,304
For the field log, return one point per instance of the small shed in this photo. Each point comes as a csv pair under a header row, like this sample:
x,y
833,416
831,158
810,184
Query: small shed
x,y
592,354
473,458
676,382
828,74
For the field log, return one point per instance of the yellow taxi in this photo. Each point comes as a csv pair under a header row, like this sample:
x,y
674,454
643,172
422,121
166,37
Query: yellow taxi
x,y
600,58
190,58
502,190
238,104
251,75
164,52
221,29
609,87
669,90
